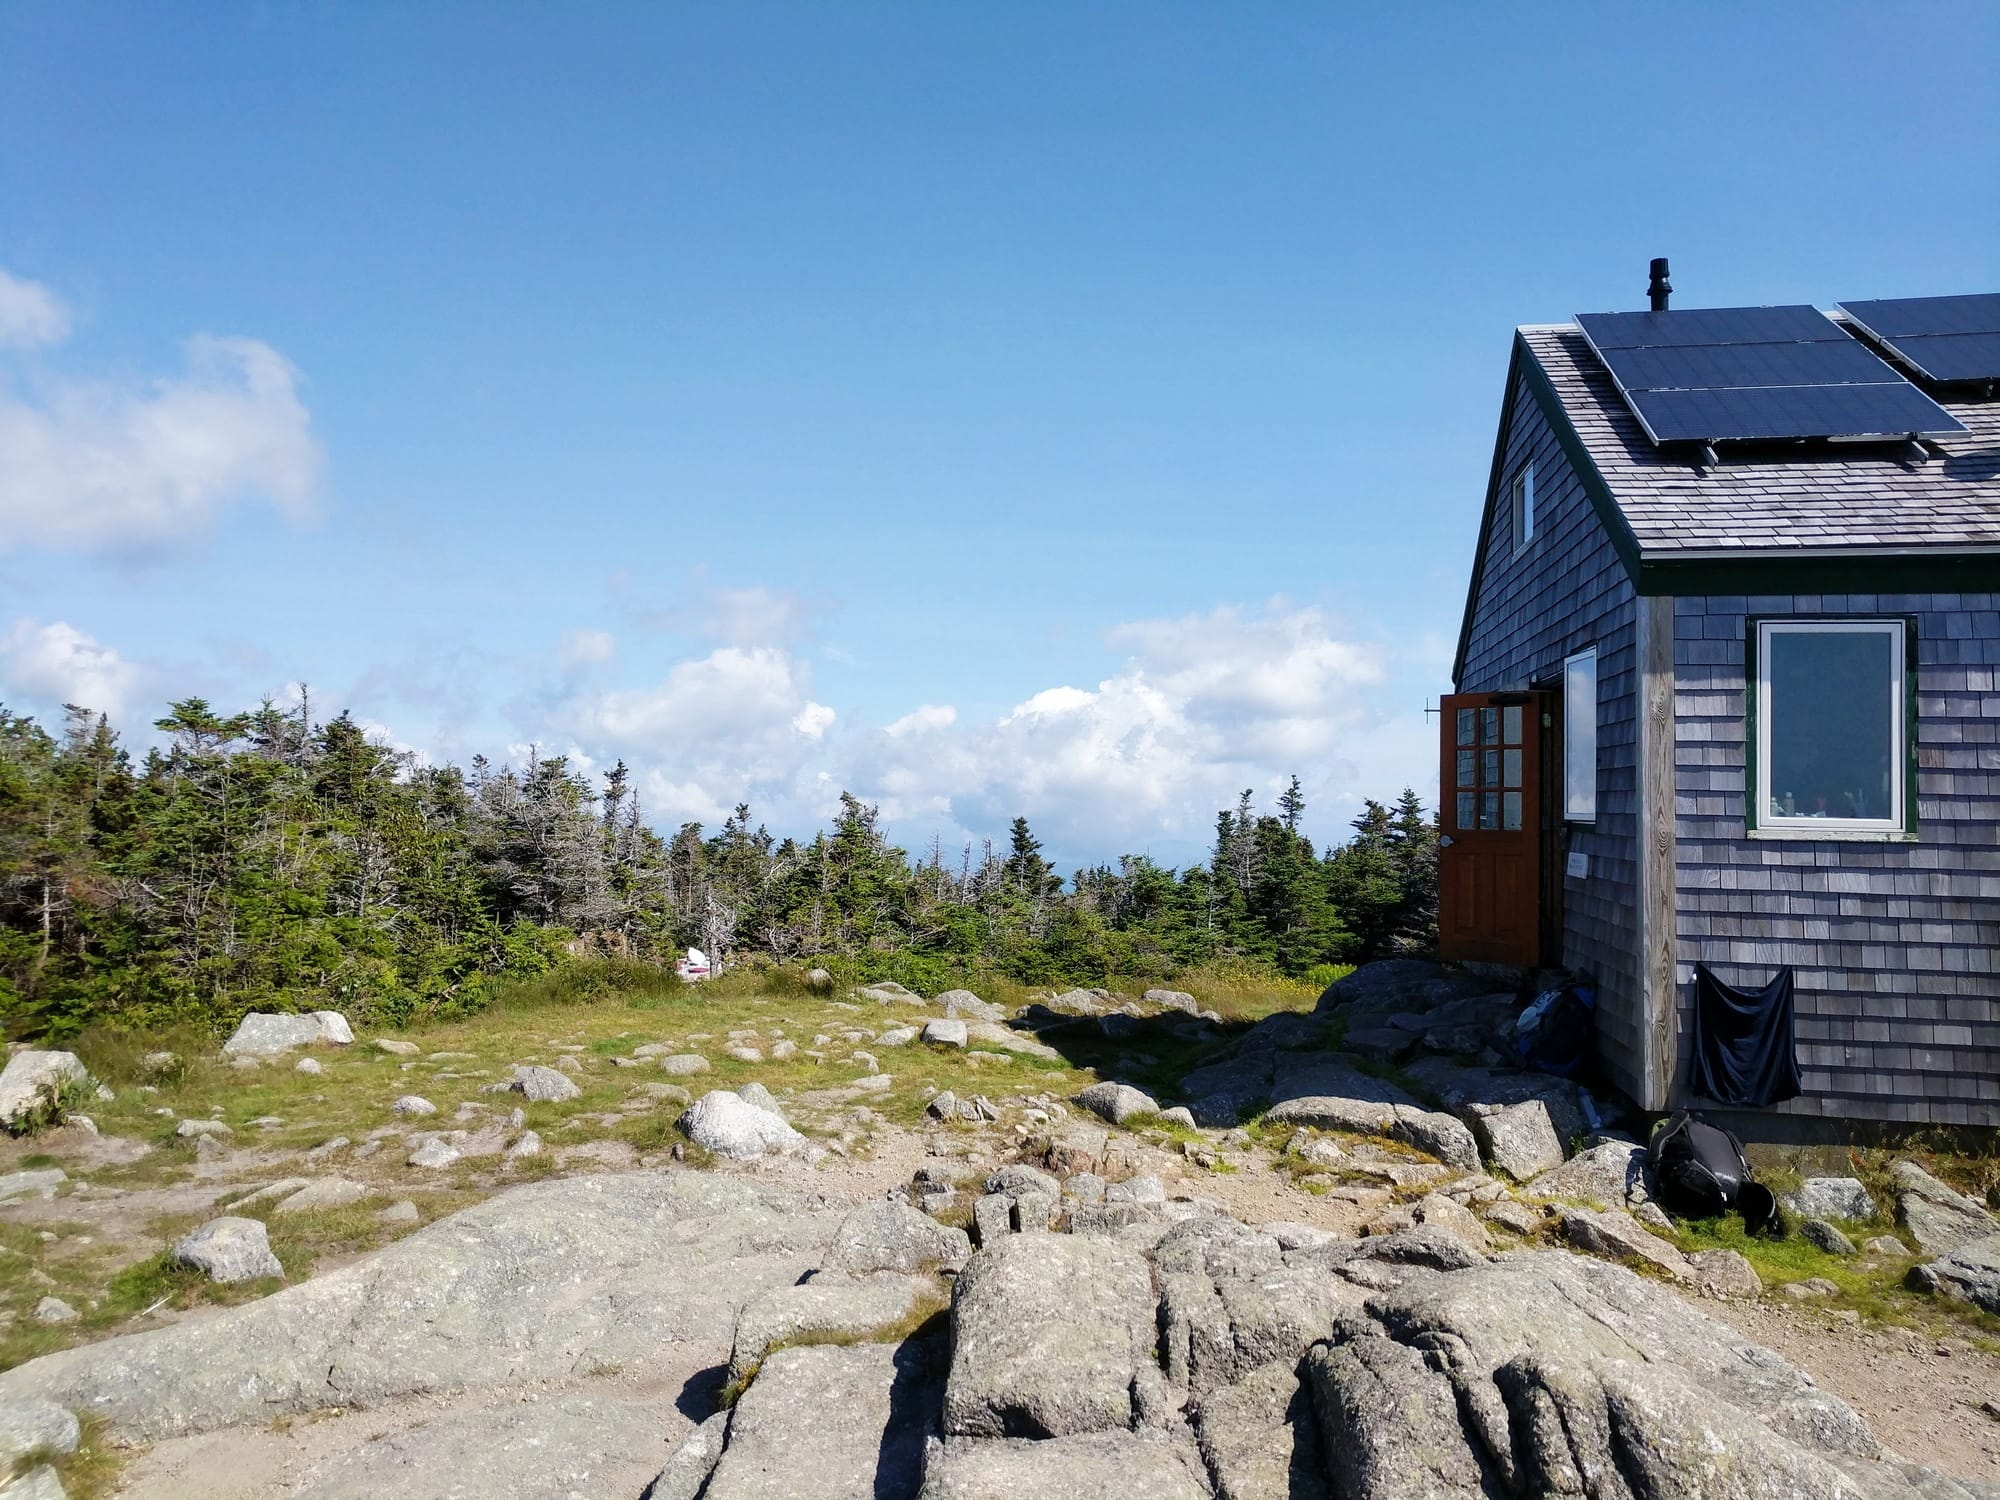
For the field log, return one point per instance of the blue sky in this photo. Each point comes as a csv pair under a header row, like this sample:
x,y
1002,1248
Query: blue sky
x,y
1073,410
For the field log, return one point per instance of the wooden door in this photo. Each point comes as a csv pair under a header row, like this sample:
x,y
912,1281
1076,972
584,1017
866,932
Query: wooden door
x,y
1490,817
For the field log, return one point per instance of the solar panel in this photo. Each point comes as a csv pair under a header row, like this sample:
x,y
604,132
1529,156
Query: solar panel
x,y
1944,339
1748,374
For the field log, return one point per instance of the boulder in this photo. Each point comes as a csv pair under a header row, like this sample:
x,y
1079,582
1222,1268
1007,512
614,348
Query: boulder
x,y
1454,1218
543,1085
1080,1003
888,992
1439,1134
1599,1372
1019,1177
967,1006
55,1310
261,1034
559,1275
527,1144
945,1033
1612,1173
700,1451
328,1192
30,1427
1179,1000
413,1104
1050,1334
34,1081
1831,1198
832,1422
1258,1438
396,1046
896,1036
1971,1273
1400,984
39,1483
895,1237
723,1122
1520,1139
1824,1236
684,1064
310,1066
1725,1273
1139,1465
1938,1218
434,1154
37,1183
992,1034
189,1130
227,1250
1117,1102
1616,1235
761,1097
542,1447
830,1307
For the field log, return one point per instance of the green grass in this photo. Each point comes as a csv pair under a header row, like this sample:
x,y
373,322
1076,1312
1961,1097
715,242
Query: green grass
x,y
1872,1286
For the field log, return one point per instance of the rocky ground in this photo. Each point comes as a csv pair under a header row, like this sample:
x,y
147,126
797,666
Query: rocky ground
x,y
792,1243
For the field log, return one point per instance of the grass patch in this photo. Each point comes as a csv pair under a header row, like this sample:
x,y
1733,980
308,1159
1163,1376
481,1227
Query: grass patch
x,y
1872,1286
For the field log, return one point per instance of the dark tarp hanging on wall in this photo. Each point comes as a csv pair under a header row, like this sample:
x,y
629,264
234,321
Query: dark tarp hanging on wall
x,y
1743,1051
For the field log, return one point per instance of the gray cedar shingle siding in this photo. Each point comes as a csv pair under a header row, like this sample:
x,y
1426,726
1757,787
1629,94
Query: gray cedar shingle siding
x,y
1896,945
1569,591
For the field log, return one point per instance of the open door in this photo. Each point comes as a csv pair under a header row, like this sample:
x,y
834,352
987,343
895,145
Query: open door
x,y
1490,812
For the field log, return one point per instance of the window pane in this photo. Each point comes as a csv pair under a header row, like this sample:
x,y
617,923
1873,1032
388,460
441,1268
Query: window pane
x,y
1468,770
1489,725
1510,818
1467,809
1510,719
1489,809
1489,768
1512,773
1832,723
1580,738
1465,721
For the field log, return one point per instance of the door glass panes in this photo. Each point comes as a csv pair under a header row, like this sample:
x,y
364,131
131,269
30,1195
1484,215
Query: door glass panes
x,y
1511,774
1832,711
1511,722
1510,811
1468,803
1490,769
1489,809
1466,719
1467,767
1489,726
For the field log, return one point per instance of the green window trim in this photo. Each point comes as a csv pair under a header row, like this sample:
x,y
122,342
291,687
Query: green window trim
x,y
1752,789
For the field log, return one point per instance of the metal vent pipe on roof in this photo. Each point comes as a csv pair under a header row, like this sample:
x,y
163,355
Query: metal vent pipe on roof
x,y
1659,289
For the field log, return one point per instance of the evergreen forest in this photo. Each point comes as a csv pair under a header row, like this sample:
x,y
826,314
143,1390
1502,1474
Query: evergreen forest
x,y
261,860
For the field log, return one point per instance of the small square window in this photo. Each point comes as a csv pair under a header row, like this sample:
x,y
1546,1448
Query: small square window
x,y
1832,751
1523,507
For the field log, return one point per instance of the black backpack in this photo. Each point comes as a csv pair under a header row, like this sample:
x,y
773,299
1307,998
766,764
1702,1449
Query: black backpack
x,y
1700,1172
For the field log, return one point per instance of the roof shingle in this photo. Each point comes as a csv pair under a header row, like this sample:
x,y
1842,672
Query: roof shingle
x,y
1860,498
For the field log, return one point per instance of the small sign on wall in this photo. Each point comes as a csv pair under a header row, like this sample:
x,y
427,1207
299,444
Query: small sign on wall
x,y
1579,866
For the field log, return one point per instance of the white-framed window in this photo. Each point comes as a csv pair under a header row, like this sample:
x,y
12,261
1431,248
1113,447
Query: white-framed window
x,y
1522,505
1832,743
1580,737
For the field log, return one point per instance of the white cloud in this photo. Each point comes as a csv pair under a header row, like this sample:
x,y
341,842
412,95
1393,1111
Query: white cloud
x,y
31,315
1200,707
582,648
57,663
124,467
739,723
928,718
